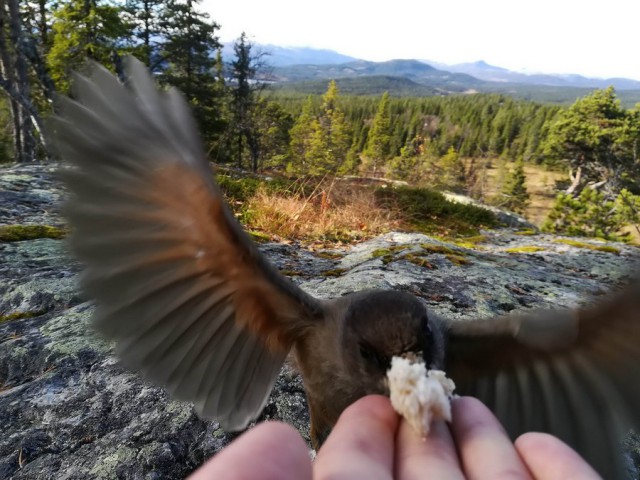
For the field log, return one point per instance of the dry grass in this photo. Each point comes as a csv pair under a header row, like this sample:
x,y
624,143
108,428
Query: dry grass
x,y
339,211
540,184
333,212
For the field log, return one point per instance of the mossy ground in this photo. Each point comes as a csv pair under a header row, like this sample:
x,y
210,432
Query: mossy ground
x,y
588,246
527,232
334,272
387,254
525,249
17,233
419,261
20,315
469,242
429,212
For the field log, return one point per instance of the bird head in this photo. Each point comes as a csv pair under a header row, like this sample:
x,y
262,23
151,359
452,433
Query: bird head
x,y
381,324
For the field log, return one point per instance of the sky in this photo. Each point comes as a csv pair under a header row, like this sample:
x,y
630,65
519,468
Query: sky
x,y
592,38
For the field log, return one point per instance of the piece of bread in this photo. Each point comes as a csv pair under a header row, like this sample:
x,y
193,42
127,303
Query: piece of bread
x,y
418,394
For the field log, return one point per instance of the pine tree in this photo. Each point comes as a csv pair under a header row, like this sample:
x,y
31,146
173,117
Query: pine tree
x,y
598,138
589,214
451,175
379,139
146,18
84,29
187,64
301,139
514,195
243,101
272,124
331,136
320,143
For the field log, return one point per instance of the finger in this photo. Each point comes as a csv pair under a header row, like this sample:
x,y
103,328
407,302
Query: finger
x,y
484,448
548,458
432,457
361,444
270,451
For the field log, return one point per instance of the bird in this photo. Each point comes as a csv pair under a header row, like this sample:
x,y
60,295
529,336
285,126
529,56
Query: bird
x,y
193,305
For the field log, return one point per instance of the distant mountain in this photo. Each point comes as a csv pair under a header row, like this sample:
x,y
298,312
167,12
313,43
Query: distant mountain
x,y
307,70
491,73
284,56
414,70
299,63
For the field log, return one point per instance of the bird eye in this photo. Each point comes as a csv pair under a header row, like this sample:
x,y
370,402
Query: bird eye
x,y
372,356
365,352
427,329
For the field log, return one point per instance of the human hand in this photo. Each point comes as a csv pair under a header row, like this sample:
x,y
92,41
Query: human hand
x,y
369,441
477,447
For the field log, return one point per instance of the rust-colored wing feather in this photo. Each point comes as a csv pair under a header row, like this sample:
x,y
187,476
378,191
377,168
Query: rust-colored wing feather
x,y
179,286
575,374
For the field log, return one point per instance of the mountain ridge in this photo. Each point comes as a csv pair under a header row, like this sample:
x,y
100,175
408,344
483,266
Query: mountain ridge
x,y
287,57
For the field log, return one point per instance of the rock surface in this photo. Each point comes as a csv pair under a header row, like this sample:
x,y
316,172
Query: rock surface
x,y
68,410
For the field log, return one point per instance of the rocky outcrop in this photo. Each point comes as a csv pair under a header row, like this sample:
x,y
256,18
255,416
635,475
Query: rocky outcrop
x,y
68,410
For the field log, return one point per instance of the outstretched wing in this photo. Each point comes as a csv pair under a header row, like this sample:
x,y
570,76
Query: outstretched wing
x,y
575,374
180,287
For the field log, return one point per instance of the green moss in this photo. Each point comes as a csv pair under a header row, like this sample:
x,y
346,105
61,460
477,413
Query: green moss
x,y
524,249
259,237
329,255
418,260
290,273
429,211
336,272
387,254
589,246
21,315
470,242
526,232
435,248
457,259
16,233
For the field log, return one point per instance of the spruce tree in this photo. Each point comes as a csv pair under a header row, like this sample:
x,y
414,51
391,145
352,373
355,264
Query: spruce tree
x,y
320,144
514,195
598,138
301,139
188,64
148,32
451,171
272,124
379,140
85,29
243,101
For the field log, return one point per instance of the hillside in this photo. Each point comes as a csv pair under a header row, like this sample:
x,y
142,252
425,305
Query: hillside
x,y
417,78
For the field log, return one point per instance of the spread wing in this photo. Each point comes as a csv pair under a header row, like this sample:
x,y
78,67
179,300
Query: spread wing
x,y
575,374
180,287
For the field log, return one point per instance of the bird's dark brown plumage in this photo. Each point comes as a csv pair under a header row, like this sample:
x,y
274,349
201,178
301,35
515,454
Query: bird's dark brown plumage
x,y
194,306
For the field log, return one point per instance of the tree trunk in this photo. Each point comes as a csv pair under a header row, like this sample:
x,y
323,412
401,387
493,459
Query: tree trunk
x,y
42,22
14,80
575,181
22,84
8,84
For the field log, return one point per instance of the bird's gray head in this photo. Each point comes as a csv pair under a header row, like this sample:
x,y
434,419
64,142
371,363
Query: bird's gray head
x,y
381,324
